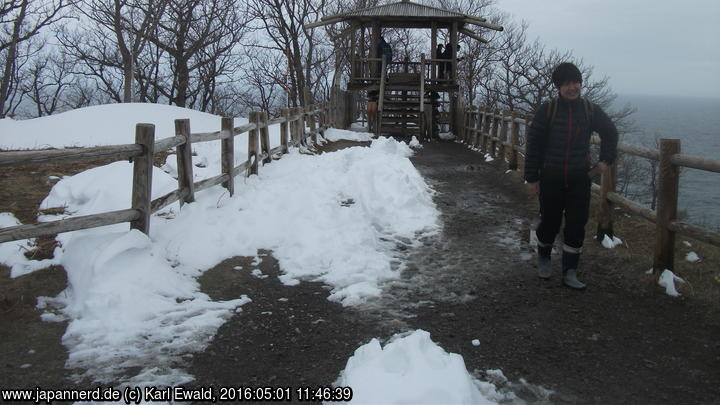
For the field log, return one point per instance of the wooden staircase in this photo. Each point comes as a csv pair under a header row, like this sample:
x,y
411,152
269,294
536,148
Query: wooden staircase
x,y
401,114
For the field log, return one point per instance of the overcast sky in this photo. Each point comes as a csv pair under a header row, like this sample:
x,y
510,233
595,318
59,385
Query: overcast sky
x,y
655,47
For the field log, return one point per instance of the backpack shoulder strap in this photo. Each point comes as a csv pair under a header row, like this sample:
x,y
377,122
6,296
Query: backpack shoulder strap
x,y
589,109
551,111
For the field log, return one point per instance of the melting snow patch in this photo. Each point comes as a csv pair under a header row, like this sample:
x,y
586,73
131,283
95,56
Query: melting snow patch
x,y
333,134
259,274
476,342
488,158
667,280
692,257
12,254
611,243
411,369
446,136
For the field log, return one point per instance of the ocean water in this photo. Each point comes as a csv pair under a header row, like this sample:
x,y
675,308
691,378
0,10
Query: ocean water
x,y
696,122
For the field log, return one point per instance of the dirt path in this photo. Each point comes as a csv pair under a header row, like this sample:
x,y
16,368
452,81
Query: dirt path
x,y
623,341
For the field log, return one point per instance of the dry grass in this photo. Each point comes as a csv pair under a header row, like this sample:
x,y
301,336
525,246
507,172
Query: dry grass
x,y
635,257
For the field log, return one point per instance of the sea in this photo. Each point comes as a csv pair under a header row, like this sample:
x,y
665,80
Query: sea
x,y
696,122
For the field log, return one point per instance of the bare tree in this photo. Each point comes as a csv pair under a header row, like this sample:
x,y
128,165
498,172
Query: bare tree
x,y
49,78
115,35
282,22
20,21
186,31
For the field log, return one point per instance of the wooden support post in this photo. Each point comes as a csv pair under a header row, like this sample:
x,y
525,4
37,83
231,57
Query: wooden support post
x,y
265,137
605,219
142,177
433,49
284,130
454,42
227,153
253,118
667,205
186,179
514,143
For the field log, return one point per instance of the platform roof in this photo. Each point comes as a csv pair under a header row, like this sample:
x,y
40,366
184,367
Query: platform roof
x,y
405,14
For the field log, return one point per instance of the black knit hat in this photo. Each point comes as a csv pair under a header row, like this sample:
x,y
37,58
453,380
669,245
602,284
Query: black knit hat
x,y
566,72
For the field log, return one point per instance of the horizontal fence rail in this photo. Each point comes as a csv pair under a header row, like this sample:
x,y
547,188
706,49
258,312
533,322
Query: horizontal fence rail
x,y
299,126
497,134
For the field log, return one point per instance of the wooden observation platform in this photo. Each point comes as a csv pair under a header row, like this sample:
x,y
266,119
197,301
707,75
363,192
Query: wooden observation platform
x,y
403,96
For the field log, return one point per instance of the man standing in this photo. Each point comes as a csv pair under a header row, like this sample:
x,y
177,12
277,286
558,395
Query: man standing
x,y
557,166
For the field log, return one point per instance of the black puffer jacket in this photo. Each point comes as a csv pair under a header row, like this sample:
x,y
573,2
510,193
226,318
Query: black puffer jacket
x,y
564,146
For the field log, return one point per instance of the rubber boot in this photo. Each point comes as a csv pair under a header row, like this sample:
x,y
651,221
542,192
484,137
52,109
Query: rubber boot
x,y
570,264
544,262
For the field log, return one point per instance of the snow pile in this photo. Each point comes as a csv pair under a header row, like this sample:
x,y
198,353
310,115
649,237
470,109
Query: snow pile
x,y
332,135
12,253
489,158
414,143
102,189
692,257
133,301
108,124
129,308
446,136
609,243
412,369
667,280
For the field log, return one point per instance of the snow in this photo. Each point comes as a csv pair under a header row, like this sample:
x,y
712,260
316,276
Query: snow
x,y
412,369
692,257
667,280
609,243
446,136
475,342
333,135
133,304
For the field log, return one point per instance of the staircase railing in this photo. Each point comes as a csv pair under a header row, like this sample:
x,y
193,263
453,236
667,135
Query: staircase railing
x,y
381,95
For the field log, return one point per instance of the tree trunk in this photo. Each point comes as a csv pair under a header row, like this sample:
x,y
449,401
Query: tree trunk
x,y
10,61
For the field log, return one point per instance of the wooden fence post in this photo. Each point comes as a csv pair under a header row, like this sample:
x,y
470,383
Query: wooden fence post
x,y
514,142
284,130
322,120
502,152
487,118
265,137
477,128
605,219
185,178
494,135
667,205
227,153
142,177
253,143
300,112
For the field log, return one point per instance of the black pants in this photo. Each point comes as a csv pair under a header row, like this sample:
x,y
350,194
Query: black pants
x,y
567,195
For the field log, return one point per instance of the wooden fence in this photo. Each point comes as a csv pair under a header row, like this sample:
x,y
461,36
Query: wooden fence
x,y
293,123
498,134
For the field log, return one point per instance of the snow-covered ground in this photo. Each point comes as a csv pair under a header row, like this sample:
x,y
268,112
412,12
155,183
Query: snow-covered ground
x,y
133,300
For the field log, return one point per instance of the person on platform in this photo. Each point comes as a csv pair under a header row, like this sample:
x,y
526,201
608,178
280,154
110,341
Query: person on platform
x,y
384,49
557,167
